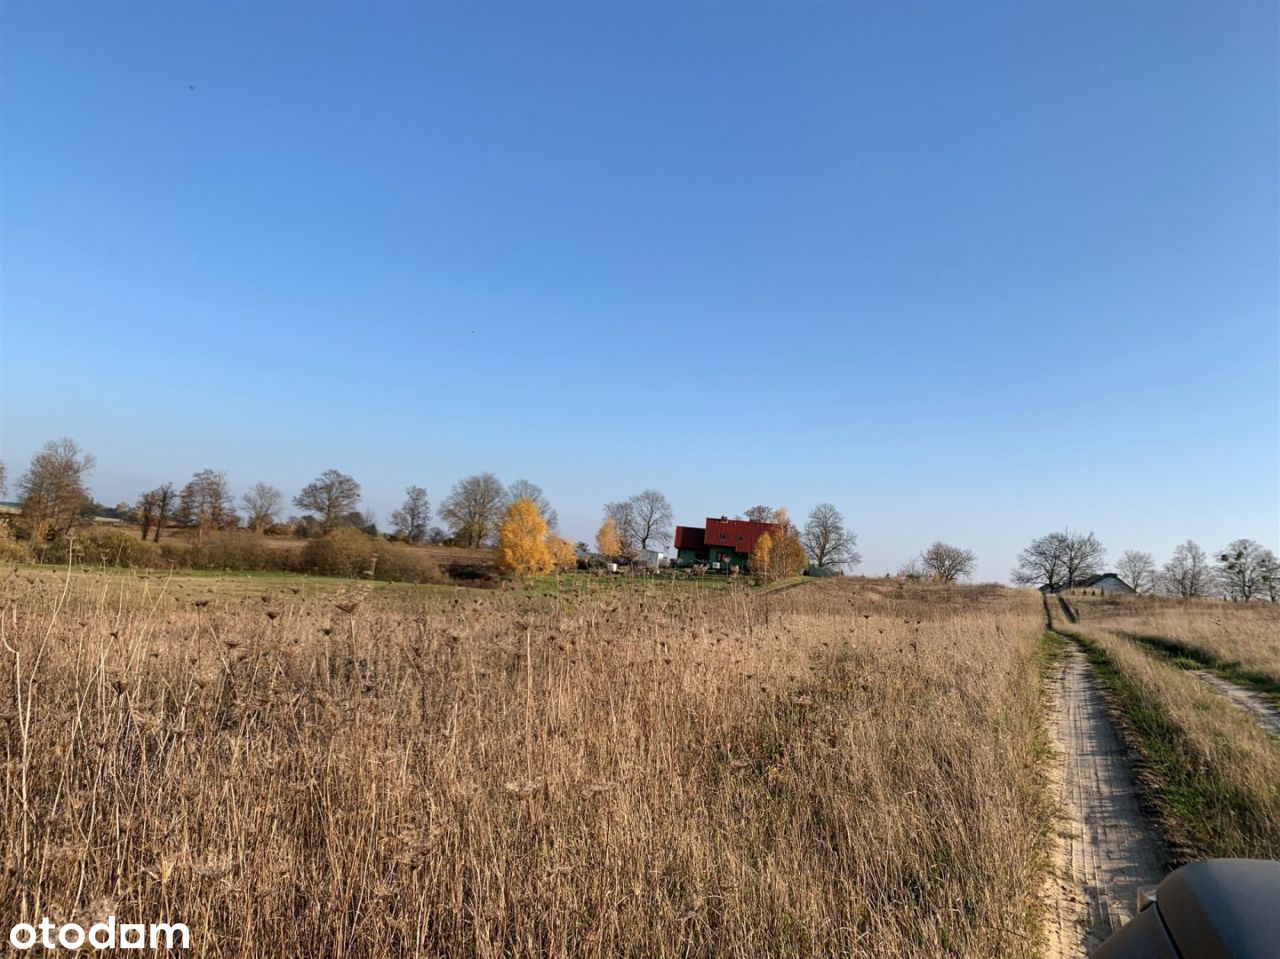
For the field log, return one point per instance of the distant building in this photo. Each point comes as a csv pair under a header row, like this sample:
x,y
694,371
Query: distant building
x,y
1103,583
651,557
723,541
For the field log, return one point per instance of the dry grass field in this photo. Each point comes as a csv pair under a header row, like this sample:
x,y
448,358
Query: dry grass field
x,y
845,768
1243,636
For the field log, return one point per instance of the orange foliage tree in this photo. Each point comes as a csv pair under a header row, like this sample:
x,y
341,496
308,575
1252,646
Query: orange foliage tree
x,y
779,553
607,540
522,540
563,555
762,555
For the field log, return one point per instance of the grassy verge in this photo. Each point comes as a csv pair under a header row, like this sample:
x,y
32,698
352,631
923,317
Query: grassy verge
x,y
1051,648
1049,654
1214,775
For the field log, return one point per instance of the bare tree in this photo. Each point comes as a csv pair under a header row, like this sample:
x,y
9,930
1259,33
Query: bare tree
x,y
1187,574
825,539
145,510
261,504
759,514
166,499
653,517
1043,563
624,525
1082,556
52,492
1241,568
1269,575
4,478
523,489
1138,569
330,497
414,514
947,563
206,503
473,509
1059,560
642,519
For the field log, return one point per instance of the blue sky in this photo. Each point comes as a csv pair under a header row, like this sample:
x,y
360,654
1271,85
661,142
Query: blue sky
x,y
970,272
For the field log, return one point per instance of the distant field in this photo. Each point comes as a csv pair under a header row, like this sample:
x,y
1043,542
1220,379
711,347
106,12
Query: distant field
x,y
216,588
665,768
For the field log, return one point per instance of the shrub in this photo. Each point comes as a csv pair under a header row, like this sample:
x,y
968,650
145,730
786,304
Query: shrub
x,y
405,564
231,550
103,547
340,552
351,552
11,550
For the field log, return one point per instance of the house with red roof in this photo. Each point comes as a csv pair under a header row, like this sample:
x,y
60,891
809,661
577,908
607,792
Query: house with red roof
x,y
726,543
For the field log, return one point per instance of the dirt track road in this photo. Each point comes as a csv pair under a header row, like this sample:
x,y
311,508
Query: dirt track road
x,y
1253,703
1107,848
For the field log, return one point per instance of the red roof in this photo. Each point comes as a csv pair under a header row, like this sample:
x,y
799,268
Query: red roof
x,y
689,537
736,534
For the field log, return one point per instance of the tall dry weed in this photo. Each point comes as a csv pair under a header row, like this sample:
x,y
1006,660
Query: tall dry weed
x,y
837,769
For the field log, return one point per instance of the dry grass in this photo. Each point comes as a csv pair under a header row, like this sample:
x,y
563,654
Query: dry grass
x,y
1215,772
838,769
1243,635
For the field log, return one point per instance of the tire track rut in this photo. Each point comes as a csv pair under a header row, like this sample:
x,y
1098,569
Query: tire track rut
x,y
1107,847
1253,703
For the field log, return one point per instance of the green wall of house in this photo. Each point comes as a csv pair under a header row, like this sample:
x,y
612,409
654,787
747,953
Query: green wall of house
x,y
712,554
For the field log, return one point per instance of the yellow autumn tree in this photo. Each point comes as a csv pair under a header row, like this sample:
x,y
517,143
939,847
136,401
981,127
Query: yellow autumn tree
x,y
563,555
608,543
762,556
522,540
787,557
779,554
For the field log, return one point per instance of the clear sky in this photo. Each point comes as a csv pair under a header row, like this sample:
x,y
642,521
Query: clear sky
x,y
970,272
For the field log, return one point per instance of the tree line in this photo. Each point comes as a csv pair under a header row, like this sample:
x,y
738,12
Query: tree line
x,y
1242,570
54,499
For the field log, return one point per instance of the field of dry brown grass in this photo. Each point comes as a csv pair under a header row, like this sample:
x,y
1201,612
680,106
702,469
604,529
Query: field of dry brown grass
x,y
1244,634
846,768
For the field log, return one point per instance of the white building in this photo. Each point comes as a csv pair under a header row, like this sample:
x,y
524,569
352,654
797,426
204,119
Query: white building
x,y
1102,583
